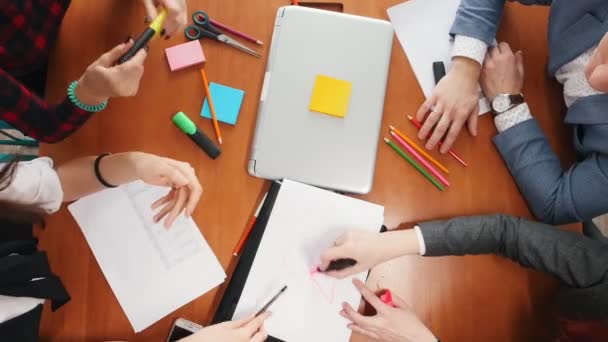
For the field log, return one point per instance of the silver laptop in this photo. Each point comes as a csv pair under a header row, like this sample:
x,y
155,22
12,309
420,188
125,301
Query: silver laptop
x,y
318,149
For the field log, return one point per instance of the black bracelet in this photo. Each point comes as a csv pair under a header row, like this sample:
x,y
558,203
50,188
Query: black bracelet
x,y
98,174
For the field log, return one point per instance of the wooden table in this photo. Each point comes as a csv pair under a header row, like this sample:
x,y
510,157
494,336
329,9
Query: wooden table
x,y
460,298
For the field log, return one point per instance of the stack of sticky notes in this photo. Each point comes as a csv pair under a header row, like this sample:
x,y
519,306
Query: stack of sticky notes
x,y
227,102
185,55
330,96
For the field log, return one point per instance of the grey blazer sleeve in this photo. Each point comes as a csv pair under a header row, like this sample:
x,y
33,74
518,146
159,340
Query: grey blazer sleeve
x,y
555,196
576,260
480,18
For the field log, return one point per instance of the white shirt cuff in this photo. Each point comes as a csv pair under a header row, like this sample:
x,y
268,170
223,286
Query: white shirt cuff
x,y
469,47
421,243
512,117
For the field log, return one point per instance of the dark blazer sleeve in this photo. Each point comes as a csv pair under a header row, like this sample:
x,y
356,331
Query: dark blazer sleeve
x,y
576,260
555,195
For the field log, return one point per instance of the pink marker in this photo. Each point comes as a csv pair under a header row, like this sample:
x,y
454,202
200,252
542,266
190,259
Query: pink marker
x,y
387,298
423,161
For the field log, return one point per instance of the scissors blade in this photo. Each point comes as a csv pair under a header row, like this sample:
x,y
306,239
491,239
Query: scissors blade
x,y
227,40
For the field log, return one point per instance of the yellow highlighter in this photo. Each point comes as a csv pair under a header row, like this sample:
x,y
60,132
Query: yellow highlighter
x,y
151,32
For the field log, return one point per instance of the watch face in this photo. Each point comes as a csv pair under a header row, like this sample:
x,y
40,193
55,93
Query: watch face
x,y
501,103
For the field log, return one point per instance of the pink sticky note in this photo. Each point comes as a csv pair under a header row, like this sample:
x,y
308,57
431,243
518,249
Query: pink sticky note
x,y
185,55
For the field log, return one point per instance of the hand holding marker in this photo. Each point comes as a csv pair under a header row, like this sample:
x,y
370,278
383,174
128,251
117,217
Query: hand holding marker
x,y
142,41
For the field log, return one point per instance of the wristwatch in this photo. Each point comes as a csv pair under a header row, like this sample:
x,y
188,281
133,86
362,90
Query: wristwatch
x,y
503,102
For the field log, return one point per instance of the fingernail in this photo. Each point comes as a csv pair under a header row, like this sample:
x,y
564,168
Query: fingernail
x,y
128,39
147,19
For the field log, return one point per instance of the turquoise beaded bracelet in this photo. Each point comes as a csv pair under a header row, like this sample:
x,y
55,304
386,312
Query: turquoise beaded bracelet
x,y
77,103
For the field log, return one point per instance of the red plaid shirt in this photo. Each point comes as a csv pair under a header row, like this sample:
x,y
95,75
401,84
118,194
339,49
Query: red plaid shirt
x,y
28,29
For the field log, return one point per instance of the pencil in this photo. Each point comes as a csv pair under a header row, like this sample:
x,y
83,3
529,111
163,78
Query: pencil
x,y
239,247
272,300
422,161
414,164
419,149
235,32
211,107
452,153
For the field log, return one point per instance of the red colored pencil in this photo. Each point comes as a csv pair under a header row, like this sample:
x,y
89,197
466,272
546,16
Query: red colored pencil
x,y
452,153
239,247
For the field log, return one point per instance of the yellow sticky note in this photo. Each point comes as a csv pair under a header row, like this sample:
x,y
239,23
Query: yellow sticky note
x,y
331,96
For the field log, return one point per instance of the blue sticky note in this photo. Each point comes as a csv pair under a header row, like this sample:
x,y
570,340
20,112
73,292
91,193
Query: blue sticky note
x,y
227,102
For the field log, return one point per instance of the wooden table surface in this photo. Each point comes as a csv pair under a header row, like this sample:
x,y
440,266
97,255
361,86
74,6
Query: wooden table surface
x,y
460,298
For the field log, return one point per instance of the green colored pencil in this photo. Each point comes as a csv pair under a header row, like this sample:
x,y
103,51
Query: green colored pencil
x,y
414,164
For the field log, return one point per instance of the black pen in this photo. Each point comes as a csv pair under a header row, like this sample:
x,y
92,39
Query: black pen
x,y
265,307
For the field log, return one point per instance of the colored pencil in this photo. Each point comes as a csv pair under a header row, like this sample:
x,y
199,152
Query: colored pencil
x,y
452,153
422,161
239,247
414,164
211,106
235,32
419,149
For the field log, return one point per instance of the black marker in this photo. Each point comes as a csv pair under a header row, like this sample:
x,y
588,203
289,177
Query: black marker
x,y
339,264
187,126
438,71
145,37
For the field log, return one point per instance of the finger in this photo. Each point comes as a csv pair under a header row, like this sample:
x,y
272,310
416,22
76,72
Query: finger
x,y
177,18
519,57
452,135
332,253
240,322
505,48
369,296
440,130
473,119
425,108
400,302
136,61
164,211
430,122
599,78
150,9
363,332
176,178
494,52
196,190
162,200
177,208
109,58
260,336
255,324
355,317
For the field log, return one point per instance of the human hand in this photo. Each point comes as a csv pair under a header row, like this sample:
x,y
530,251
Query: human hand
x,y
180,176
390,324
177,14
250,329
503,71
597,69
368,249
455,101
103,79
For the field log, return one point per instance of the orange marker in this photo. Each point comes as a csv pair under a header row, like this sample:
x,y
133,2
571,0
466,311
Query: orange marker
x,y
211,107
452,153
419,149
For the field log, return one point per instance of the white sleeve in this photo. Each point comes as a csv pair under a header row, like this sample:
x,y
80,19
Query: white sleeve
x,y
512,117
421,243
35,183
469,47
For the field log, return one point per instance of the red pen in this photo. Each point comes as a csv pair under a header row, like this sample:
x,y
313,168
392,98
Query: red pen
x,y
452,153
387,298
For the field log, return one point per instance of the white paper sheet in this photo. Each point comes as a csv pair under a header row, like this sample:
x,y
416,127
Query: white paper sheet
x,y
304,222
152,271
423,29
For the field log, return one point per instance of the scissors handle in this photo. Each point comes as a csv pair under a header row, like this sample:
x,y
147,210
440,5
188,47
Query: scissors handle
x,y
201,19
194,32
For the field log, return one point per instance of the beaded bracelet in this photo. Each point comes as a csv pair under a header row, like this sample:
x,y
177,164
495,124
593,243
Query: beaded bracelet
x,y
77,103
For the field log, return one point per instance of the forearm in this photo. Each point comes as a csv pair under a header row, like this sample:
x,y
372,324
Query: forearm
x,y
78,177
575,259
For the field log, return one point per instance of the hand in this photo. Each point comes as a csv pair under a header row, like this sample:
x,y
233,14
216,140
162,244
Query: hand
x,y
454,101
177,14
186,189
249,329
597,69
390,324
503,71
368,249
103,79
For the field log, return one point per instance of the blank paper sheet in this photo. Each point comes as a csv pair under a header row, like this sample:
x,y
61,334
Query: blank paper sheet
x,y
304,222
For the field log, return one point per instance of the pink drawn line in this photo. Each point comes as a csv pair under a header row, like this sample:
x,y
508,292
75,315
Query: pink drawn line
x,y
328,296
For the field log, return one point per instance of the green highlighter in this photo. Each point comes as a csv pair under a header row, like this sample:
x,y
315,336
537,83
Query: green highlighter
x,y
187,126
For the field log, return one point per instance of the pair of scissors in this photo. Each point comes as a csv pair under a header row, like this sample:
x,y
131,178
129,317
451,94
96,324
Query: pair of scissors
x,y
203,28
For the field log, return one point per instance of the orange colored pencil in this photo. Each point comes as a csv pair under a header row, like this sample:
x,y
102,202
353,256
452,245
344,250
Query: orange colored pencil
x,y
211,107
452,153
239,246
419,149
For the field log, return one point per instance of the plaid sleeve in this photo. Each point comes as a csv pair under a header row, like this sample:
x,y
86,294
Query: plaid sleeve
x,y
33,116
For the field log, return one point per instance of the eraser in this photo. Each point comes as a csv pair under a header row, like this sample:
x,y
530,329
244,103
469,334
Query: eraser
x,y
185,55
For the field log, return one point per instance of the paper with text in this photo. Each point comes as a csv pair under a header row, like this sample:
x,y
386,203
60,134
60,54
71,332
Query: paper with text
x,y
151,270
423,29
304,222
